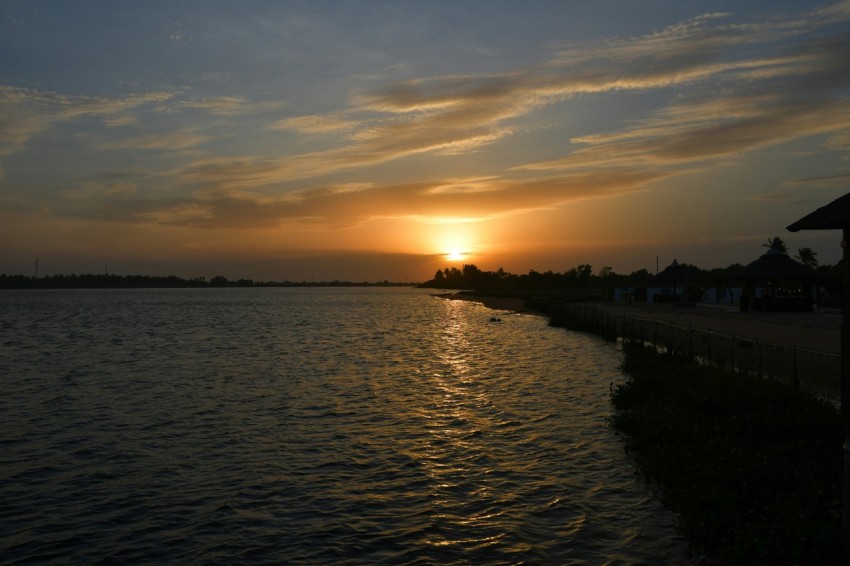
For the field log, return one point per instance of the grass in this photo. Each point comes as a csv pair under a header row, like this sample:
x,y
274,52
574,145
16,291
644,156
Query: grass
x,y
752,467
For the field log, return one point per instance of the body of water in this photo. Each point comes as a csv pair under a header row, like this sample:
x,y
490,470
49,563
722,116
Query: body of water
x,y
313,426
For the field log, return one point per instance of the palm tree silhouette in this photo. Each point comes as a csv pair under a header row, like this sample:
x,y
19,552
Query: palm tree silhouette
x,y
777,244
808,257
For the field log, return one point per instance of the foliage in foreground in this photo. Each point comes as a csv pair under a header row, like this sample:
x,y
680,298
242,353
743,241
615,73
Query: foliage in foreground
x,y
752,467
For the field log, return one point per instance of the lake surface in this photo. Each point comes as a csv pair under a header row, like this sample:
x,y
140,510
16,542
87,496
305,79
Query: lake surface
x,y
312,426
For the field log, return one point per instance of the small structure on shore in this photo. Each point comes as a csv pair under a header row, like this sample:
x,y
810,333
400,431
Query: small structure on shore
x,y
775,282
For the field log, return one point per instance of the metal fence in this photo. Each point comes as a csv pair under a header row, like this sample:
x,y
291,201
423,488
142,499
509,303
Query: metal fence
x,y
816,372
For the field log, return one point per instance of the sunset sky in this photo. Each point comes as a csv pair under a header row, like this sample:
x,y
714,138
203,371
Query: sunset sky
x,y
367,140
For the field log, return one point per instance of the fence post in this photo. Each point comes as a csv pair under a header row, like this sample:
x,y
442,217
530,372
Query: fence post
x,y
690,341
795,373
731,354
670,339
760,358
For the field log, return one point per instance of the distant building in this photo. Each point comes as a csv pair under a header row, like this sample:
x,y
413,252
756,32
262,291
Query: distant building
x,y
723,296
624,294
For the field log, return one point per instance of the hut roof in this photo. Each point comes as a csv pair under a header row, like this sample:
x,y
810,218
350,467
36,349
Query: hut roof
x,y
775,265
675,273
835,215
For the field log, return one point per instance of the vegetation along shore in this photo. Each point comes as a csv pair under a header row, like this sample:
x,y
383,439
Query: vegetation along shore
x,y
751,466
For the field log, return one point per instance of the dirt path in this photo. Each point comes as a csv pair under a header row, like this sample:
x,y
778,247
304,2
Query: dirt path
x,y
820,330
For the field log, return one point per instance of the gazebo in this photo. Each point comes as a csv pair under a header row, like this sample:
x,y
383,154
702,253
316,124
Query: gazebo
x,y
786,285
836,216
669,286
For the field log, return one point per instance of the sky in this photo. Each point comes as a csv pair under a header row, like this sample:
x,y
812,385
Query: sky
x,y
372,140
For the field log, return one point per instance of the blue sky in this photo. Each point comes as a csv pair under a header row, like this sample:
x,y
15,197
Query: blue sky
x,y
367,140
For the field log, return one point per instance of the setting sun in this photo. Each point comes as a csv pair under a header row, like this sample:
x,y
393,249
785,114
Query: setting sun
x,y
456,240
456,255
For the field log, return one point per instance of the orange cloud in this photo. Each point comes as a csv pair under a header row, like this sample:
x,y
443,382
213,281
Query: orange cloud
x,y
692,133
331,206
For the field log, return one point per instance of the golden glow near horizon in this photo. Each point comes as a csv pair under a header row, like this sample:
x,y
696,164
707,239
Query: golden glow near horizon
x,y
456,240
456,256
362,143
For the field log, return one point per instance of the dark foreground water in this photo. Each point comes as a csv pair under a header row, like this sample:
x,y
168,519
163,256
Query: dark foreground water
x,y
317,426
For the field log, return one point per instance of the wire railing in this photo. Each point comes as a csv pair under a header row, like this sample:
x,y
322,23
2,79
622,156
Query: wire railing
x,y
816,372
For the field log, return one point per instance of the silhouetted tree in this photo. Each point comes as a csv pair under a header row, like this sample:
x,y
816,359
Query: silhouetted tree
x,y
470,273
776,243
808,257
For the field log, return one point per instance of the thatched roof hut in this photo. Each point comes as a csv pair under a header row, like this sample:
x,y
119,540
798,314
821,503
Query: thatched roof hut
x,y
671,285
785,284
775,265
833,216
674,274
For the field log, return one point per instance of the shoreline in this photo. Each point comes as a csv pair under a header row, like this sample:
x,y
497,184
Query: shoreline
x,y
818,331
512,304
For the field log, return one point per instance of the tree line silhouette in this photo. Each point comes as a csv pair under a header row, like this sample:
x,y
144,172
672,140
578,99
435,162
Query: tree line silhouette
x,y
582,283
109,281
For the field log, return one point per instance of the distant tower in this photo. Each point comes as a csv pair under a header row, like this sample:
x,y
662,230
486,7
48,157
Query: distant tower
x,y
36,268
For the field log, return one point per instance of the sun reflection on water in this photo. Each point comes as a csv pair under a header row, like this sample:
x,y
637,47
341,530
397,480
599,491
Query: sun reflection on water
x,y
454,455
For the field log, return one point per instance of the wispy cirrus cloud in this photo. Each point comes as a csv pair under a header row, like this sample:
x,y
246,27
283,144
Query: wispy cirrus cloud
x,y
835,12
764,98
330,124
839,179
696,132
350,205
170,141
107,183
222,105
25,113
839,142
724,89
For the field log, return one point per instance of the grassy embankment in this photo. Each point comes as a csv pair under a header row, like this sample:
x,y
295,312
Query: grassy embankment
x,y
752,467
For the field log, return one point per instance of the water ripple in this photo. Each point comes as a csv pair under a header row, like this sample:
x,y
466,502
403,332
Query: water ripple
x,y
344,426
